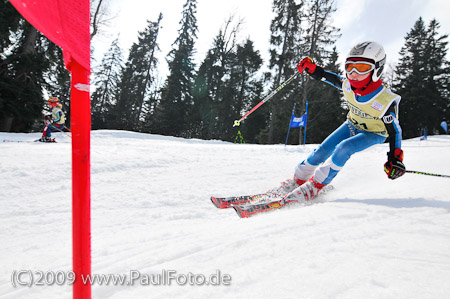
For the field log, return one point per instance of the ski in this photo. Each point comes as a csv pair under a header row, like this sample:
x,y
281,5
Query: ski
x,y
249,210
29,141
245,211
272,194
6,140
227,202
51,141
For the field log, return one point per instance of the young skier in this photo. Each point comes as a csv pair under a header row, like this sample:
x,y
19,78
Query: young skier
x,y
373,117
54,122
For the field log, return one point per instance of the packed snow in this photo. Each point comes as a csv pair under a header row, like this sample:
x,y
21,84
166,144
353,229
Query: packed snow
x,y
370,237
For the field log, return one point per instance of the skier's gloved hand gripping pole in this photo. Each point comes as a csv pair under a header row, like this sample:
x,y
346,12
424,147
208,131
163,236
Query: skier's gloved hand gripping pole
x,y
395,168
238,122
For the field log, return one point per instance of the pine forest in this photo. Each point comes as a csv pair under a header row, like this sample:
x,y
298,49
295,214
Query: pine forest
x,y
202,100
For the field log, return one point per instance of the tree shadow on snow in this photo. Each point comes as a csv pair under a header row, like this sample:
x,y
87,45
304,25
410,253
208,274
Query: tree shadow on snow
x,y
401,202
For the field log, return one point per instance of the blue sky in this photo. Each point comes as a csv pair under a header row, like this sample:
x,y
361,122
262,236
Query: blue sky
x,y
385,21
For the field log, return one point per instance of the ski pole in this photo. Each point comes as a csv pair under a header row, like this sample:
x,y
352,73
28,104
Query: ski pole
x,y
427,173
61,131
238,122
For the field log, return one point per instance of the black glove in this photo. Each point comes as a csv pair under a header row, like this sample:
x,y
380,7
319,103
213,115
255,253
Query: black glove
x,y
394,166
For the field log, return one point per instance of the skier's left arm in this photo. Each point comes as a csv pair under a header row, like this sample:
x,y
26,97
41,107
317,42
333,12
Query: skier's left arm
x,y
394,166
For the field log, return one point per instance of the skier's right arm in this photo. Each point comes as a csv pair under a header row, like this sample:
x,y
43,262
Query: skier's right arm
x,y
319,73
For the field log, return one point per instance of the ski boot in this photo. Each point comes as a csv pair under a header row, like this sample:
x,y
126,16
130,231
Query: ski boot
x,y
305,192
285,187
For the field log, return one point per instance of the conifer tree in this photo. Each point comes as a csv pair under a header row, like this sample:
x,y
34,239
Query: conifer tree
x,y
106,79
204,113
21,74
9,24
241,87
286,34
300,28
207,89
9,31
137,79
226,85
325,109
319,38
176,94
249,89
422,78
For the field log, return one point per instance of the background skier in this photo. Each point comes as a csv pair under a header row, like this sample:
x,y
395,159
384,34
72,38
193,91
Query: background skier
x,y
54,122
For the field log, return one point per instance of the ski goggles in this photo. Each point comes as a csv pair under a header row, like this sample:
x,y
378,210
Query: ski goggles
x,y
361,67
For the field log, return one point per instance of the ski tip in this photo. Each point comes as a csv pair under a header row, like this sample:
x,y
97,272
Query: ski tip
x,y
241,213
219,203
215,201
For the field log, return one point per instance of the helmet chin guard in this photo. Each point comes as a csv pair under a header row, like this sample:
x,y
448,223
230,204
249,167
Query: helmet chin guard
x,y
369,51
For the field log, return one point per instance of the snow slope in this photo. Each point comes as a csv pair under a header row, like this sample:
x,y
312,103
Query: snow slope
x,y
369,238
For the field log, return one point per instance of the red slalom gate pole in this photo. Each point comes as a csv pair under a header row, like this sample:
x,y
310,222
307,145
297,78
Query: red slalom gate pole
x,y
66,23
81,184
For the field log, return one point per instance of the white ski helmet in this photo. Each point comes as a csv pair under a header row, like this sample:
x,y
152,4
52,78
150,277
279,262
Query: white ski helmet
x,y
370,51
